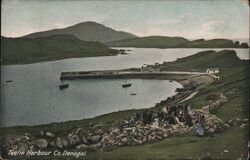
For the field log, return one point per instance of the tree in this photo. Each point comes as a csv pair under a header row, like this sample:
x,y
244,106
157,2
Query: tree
x,y
244,45
237,44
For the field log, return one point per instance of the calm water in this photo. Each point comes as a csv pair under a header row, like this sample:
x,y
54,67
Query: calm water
x,y
34,98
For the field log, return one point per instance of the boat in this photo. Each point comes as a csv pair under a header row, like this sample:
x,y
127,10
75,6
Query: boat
x,y
8,81
64,86
126,85
132,94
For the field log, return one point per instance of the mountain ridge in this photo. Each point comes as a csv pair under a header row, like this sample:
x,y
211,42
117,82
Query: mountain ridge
x,y
87,31
176,42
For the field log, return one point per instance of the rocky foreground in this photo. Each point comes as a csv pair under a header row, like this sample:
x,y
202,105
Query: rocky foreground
x,y
131,131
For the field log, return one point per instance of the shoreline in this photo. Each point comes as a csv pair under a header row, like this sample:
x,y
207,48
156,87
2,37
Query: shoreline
x,y
201,80
49,59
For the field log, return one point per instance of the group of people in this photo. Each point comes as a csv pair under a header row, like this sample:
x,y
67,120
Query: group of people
x,y
172,115
178,114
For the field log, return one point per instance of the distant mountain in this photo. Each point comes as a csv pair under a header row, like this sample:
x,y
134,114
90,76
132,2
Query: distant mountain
x,y
29,50
87,31
150,42
175,42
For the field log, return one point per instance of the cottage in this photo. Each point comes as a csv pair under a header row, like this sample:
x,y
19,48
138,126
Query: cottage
x,y
150,68
212,70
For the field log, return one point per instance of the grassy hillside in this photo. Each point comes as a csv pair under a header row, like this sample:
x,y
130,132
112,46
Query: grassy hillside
x,y
87,31
28,50
214,43
150,42
175,42
204,60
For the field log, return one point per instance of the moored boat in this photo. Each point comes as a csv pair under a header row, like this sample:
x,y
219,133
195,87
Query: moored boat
x,y
126,85
64,86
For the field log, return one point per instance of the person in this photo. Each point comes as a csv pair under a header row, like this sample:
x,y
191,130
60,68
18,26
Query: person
x,y
173,119
188,120
147,117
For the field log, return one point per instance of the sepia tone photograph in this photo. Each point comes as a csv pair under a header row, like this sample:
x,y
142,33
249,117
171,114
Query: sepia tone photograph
x,y
123,79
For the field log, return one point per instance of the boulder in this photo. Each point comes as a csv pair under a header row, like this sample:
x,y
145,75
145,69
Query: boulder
x,y
65,142
73,139
243,126
59,142
78,130
23,147
82,147
234,122
84,140
41,143
42,133
94,139
49,134
124,140
52,143
211,130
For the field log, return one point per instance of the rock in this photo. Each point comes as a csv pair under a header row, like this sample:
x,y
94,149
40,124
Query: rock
x,y
73,139
23,147
82,146
64,142
206,157
78,130
42,133
245,120
96,145
227,125
94,139
27,134
243,126
59,142
14,148
32,147
125,140
234,122
225,151
138,141
41,143
52,143
49,134
211,130
116,130
84,140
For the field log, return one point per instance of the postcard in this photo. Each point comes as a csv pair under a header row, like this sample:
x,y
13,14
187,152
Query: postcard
x,y
108,79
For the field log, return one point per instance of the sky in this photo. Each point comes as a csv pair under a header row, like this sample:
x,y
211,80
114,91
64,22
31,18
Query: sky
x,y
192,19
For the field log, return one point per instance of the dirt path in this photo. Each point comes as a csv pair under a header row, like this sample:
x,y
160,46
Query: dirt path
x,y
190,96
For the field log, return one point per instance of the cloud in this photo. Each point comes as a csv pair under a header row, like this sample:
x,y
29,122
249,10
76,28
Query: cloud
x,y
214,26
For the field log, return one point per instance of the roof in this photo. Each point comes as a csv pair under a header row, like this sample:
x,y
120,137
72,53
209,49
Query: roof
x,y
213,69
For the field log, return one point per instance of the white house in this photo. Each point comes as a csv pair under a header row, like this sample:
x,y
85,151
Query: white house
x,y
212,70
150,68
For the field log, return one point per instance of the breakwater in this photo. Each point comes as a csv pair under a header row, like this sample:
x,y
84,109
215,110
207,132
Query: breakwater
x,y
116,74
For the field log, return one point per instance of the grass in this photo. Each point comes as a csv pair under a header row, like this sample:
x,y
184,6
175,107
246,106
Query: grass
x,y
184,147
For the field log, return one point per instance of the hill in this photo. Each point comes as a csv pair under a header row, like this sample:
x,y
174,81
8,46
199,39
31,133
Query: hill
x,y
29,50
175,42
205,59
87,31
150,42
